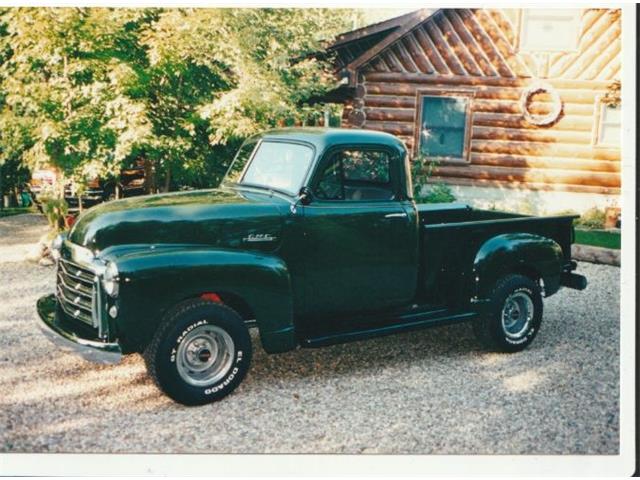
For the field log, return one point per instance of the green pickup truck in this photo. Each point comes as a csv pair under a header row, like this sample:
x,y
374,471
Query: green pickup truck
x,y
314,239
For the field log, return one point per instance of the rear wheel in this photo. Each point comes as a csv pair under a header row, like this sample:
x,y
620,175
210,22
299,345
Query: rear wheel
x,y
200,353
514,317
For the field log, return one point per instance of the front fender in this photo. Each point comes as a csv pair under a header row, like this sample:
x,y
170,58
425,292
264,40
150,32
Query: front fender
x,y
153,281
517,253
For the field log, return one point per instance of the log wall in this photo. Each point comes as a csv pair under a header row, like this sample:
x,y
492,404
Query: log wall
x,y
476,49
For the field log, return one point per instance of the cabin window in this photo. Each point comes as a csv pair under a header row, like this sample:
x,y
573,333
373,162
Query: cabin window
x,y
356,175
549,29
609,128
444,126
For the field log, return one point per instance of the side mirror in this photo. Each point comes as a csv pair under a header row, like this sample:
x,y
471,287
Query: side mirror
x,y
304,196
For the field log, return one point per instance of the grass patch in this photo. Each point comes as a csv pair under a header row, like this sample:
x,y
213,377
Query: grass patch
x,y
7,212
598,238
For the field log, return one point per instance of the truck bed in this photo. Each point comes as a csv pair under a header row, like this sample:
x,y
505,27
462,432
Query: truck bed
x,y
452,234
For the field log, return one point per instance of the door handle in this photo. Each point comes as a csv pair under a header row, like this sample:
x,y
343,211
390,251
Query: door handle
x,y
396,215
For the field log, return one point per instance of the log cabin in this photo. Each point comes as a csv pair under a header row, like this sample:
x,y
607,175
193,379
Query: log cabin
x,y
516,108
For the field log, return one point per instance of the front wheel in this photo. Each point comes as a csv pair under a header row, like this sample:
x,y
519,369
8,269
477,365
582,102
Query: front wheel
x,y
200,353
514,316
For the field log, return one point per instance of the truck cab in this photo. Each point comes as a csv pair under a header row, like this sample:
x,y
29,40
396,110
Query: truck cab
x,y
313,238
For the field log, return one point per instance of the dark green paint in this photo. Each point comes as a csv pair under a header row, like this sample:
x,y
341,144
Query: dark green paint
x,y
330,270
152,281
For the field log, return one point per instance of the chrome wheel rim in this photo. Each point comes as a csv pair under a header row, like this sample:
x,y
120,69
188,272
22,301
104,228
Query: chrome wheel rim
x,y
205,355
517,314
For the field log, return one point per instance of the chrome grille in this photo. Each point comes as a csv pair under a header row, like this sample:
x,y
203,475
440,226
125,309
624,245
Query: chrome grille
x,y
75,290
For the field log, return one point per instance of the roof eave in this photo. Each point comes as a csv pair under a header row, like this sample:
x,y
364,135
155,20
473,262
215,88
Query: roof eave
x,y
412,21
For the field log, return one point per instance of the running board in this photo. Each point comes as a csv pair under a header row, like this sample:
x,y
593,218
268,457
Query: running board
x,y
353,336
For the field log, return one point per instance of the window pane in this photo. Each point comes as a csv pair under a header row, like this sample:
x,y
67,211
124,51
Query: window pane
x,y
444,111
356,175
368,166
278,165
611,114
550,29
610,134
330,185
610,130
443,126
239,162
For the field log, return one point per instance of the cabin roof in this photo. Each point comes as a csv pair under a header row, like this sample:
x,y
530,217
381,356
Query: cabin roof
x,y
369,41
385,26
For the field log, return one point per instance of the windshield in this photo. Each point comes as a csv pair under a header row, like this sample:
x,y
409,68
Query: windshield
x,y
276,165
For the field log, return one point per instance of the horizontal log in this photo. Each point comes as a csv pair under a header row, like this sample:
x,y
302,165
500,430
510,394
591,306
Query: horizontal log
x,y
483,105
538,108
390,127
540,149
588,253
459,80
407,139
528,135
391,114
524,175
389,101
490,119
485,92
525,186
567,122
557,163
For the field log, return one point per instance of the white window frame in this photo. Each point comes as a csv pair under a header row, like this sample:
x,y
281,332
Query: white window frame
x,y
525,14
598,124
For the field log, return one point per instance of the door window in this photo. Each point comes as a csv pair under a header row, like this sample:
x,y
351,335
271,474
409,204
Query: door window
x,y
356,175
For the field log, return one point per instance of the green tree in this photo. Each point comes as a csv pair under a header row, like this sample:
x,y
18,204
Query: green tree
x,y
65,74
94,88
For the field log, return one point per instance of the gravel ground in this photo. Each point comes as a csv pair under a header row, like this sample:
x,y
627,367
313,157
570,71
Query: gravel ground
x,y
430,392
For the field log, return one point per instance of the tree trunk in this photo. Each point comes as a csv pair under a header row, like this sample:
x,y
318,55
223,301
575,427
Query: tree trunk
x,y
149,177
167,181
1,186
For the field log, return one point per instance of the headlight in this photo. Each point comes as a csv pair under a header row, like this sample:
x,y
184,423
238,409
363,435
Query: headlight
x,y
56,246
110,280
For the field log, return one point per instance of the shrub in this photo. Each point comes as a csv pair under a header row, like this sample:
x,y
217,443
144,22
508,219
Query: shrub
x,y
55,209
438,193
593,219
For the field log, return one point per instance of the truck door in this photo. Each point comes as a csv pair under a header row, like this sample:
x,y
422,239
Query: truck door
x,y
360,233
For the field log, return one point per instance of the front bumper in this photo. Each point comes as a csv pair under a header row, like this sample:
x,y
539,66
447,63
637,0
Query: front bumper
x,y
93,350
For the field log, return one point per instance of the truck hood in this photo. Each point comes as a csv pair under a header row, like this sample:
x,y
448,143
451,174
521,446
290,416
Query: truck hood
x,y
224,218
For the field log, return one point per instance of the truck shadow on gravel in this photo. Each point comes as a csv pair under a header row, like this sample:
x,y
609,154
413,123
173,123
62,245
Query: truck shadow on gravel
x,y
431,346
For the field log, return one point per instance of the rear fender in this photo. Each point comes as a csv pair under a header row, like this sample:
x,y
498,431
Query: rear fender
x,y
153,281
525,253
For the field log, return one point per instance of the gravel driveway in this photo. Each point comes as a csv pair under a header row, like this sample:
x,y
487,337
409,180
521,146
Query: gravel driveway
x,y
432,391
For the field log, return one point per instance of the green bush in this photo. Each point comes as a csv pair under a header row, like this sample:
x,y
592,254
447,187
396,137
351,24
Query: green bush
x,y
593,219
438,193
55,209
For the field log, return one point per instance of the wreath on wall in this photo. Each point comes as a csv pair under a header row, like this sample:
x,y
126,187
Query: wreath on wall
x,y
536,119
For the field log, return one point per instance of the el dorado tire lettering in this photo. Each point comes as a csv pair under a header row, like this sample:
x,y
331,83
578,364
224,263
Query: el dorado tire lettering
x,y
193,271
228,380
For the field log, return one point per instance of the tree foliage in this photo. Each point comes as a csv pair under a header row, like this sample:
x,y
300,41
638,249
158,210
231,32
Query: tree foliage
x,y
89,90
